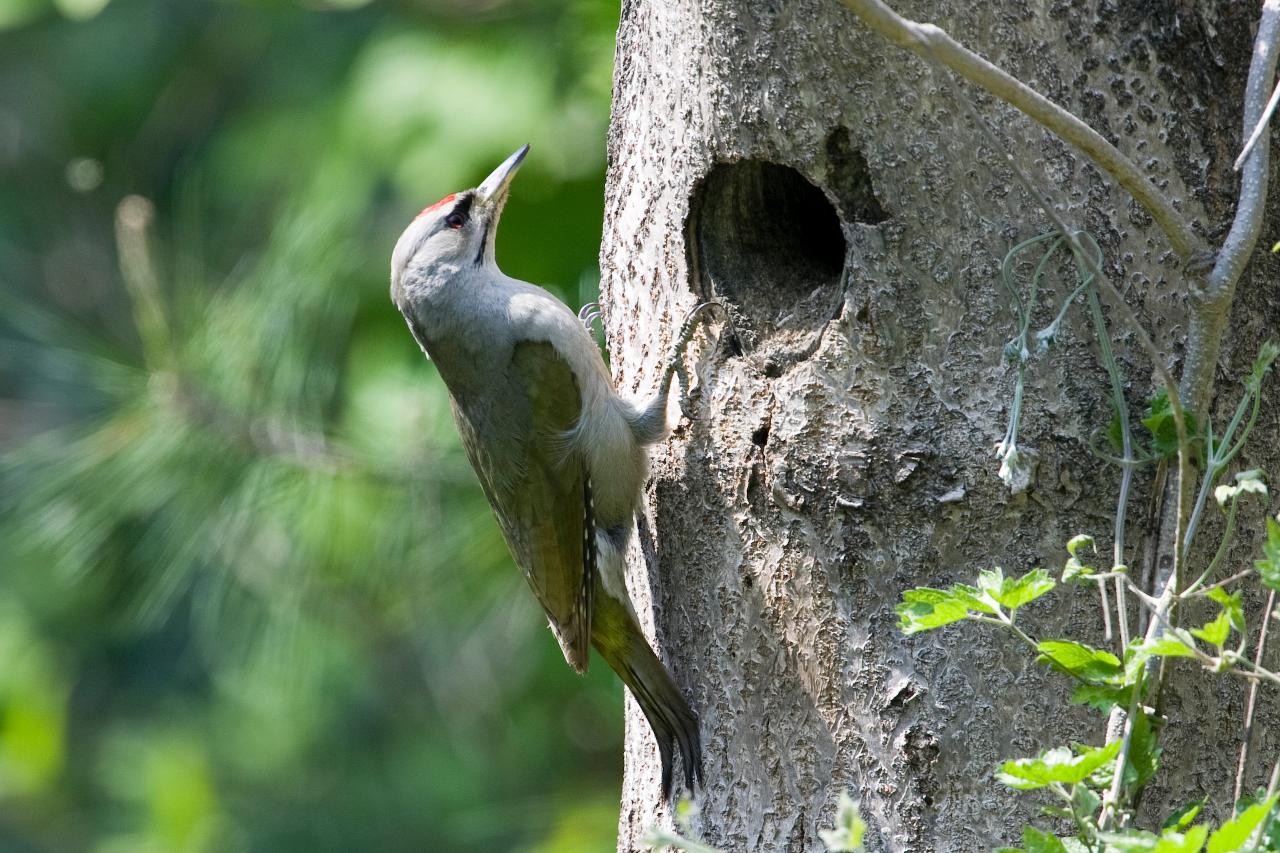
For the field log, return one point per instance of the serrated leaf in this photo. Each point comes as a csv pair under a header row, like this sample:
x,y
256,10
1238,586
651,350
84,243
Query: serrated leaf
x,y
974,598
1056,765
1232,605
1216,632
1026,589
923,609
1083,662
1234,834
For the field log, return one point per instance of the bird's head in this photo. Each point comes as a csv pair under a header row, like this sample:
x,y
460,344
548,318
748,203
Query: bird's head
x,y
452,235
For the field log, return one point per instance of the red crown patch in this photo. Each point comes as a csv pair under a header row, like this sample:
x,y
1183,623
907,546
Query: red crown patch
x,y
450,197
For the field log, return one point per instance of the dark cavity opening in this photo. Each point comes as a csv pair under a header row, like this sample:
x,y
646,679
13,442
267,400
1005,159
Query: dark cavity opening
x,y
850,180
769,241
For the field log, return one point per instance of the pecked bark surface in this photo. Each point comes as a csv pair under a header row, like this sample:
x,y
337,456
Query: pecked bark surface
x,y
827,184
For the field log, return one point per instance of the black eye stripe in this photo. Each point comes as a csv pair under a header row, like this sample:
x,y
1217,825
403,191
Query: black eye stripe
x,y
463,207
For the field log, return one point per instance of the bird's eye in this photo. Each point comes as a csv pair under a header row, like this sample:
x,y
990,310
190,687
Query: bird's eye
x,y
455,220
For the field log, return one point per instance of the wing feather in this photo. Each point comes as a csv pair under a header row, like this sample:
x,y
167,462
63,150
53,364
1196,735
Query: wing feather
x,y
540,492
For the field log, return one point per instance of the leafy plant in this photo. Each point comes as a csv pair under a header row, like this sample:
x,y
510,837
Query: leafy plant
x,y
1096,787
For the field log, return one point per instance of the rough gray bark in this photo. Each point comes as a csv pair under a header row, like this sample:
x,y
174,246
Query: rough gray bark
x,y
779,155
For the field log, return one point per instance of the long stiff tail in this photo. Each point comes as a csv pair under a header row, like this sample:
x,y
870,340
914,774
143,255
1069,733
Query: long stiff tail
x,y
618,638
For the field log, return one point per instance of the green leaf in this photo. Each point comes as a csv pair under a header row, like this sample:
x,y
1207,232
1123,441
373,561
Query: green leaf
x,y
1075,571
1144,752
991,581
1102,697
1129,841
1014,593
1234,834
1083,662
1169,841
1269,567
923,609
974,598
1182,818
1267,354
1216,632
846,835
1085,800
1035,841
1080,540
1166,647
1164,431
1232,606
1191,842
1056,765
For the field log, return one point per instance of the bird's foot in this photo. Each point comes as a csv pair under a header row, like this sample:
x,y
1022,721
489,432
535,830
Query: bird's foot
x,y
588,315
699,314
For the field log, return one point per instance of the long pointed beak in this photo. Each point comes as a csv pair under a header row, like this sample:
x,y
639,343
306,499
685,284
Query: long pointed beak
x,y
494,188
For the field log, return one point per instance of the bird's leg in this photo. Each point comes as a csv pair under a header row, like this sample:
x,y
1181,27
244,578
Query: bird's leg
x,y
651,423
588,315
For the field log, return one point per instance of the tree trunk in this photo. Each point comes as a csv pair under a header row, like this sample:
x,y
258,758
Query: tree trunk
x,y
830,186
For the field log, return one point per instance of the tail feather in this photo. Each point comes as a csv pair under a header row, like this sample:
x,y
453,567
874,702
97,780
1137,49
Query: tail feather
x,y
624,648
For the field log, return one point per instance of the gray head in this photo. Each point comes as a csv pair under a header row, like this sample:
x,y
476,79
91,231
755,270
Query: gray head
x,y
453,235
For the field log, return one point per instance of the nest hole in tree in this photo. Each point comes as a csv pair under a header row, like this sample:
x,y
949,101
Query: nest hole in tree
x,y
769,241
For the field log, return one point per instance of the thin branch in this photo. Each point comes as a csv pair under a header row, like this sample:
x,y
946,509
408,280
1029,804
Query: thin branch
x,y
1257,131
1209,314
1246,742
1240,575
931,42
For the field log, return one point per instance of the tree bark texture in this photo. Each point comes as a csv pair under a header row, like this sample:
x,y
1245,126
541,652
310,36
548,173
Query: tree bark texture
x,y
829,185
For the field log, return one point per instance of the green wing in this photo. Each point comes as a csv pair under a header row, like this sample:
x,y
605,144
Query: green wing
x,y
543,499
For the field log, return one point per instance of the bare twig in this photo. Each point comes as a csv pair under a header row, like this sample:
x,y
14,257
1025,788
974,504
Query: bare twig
x,y
932,42
1262,126
1246,742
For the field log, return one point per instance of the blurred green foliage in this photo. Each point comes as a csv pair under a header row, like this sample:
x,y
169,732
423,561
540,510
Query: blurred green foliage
x,y
251,598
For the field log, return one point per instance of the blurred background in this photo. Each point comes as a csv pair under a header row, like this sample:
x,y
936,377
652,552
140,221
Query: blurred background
x,y
251,596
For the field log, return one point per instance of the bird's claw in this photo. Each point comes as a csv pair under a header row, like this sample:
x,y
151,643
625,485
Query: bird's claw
x,y
731,330
588,314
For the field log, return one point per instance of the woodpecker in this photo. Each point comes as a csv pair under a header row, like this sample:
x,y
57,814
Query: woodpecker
x,y
560,456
